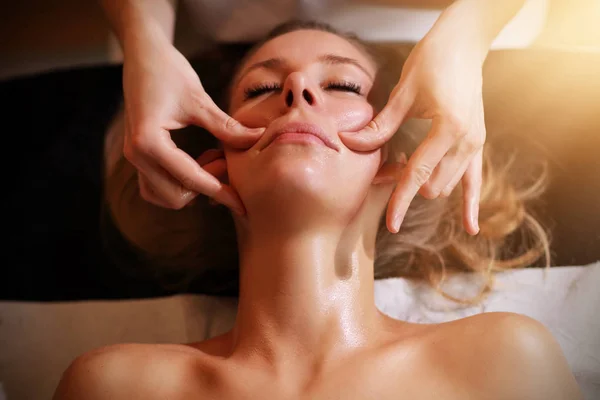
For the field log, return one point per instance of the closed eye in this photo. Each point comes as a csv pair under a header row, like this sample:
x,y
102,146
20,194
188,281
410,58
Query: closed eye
x,y
343,86
261,89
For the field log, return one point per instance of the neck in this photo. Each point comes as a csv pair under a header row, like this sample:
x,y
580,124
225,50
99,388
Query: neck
x,y
305,294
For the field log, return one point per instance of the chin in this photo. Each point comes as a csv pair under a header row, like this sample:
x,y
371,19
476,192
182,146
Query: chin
x,y
306,181
294,181
296,195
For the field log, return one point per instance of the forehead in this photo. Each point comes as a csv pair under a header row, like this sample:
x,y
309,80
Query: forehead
x,y
305,46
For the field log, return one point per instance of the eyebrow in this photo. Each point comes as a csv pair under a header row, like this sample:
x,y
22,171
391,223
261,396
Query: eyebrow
x,y
333,59
277,64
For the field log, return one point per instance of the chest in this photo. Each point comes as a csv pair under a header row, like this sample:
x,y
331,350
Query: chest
x,y
392,378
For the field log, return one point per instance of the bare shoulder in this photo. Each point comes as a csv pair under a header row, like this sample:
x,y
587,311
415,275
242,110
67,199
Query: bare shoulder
x,y
134,371
508,354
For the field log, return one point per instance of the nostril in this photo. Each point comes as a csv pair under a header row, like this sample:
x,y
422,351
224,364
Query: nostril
x,y
289,99
307,96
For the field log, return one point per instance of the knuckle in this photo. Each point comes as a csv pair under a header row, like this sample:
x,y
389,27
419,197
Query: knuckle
x,y
231,123
434,193
429,191
140,143
375,124
473,145
458,126
470,146
459,132
446,192
421,174
187,184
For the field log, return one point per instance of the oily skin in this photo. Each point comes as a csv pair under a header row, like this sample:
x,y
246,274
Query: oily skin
x,y
307,326
307,240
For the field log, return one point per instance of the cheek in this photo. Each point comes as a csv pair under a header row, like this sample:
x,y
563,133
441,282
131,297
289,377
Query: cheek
x,y
352,117
257,115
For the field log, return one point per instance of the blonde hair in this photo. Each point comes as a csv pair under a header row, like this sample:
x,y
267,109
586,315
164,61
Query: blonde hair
x,y
432,245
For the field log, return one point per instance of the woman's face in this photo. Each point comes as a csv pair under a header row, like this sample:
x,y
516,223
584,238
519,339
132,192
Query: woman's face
x,y
305,87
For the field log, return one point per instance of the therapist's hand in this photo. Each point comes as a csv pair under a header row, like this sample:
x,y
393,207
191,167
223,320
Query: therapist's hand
x,y
162,92
442,81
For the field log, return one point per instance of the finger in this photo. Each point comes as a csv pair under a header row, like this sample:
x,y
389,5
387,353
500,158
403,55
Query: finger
x,y
382,127
456,178
471,184
217,168
207,114
141,152
191,176
390,172
209,156
418,171
213,162
166,167
459,174
453,162
134,149
148,193
169,192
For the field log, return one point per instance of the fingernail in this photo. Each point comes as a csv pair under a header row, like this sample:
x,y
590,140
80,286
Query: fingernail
x,y
383,180
475,213
214,152
232,202
258,131
403,159
475,221
239,211
396,223
236,209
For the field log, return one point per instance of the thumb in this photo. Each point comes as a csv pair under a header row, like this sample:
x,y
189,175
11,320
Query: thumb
x,y
381,128
205,113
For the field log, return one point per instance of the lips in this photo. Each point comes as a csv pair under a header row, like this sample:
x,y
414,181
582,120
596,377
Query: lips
x,y
303,128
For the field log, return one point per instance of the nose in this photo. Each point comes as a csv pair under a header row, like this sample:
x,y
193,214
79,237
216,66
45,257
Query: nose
x,y
300,91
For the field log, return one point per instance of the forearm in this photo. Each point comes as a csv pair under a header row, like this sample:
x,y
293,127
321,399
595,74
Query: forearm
x,y
135,20
477,21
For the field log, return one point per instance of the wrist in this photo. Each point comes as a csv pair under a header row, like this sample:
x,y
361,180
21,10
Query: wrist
x,y
461,28
138,21
472,25
140,37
